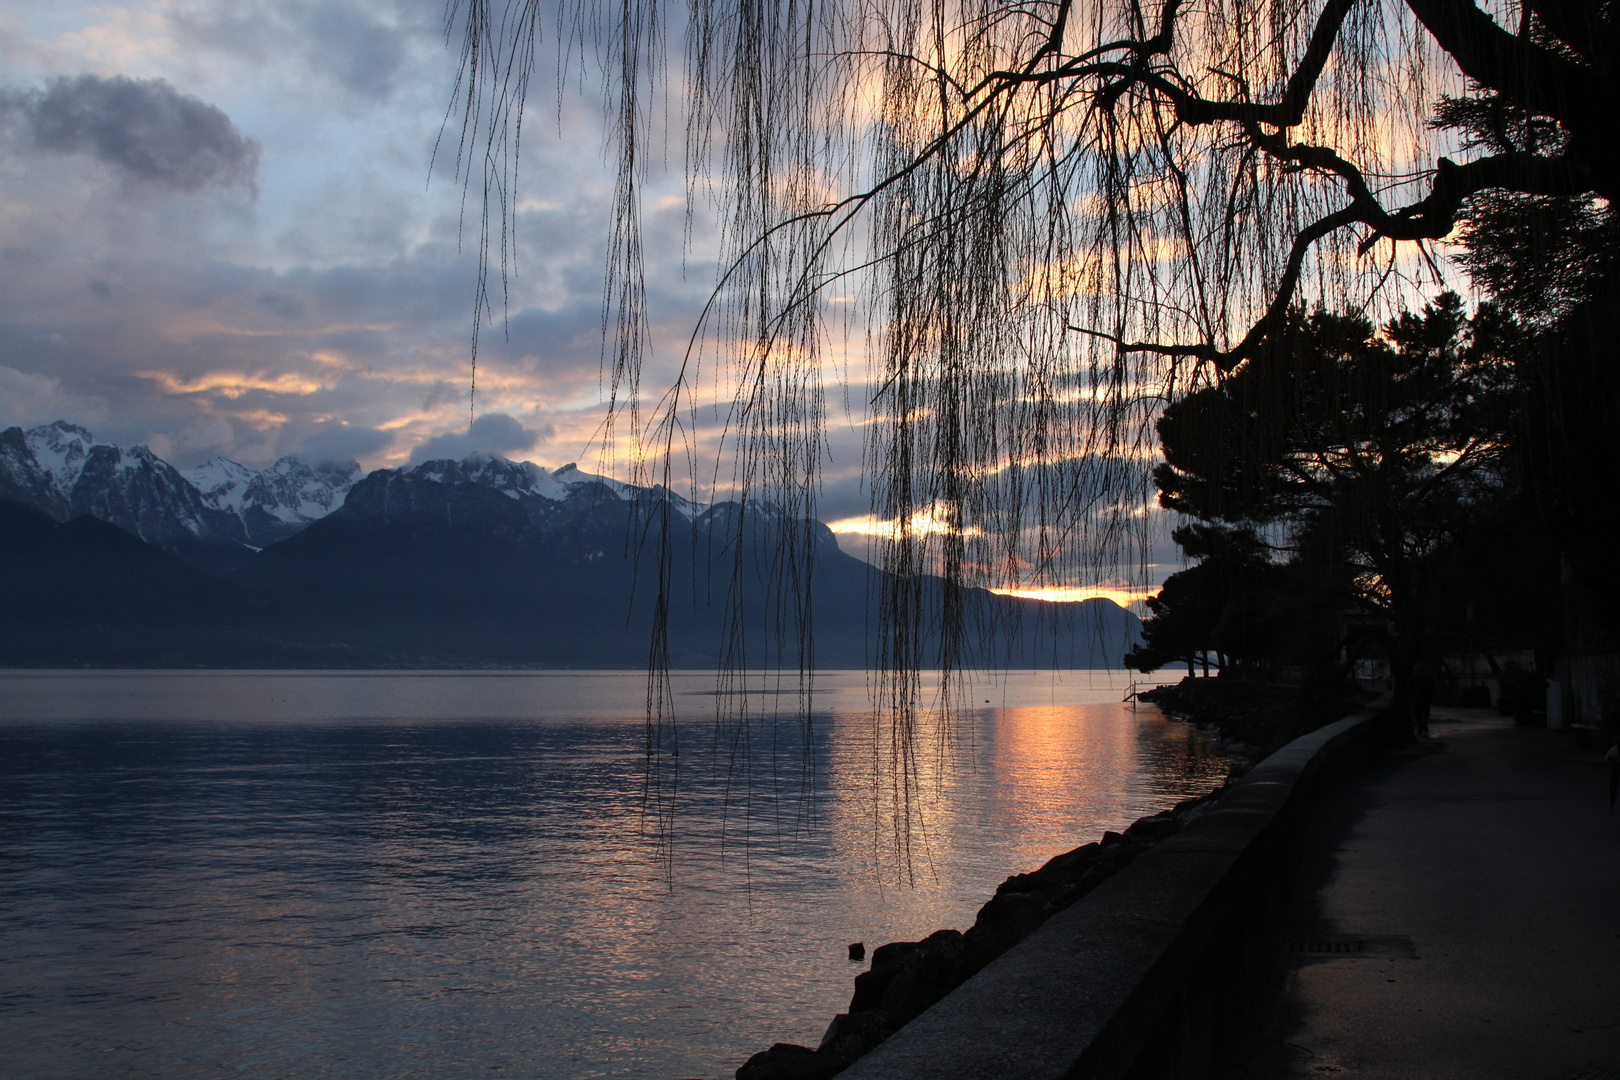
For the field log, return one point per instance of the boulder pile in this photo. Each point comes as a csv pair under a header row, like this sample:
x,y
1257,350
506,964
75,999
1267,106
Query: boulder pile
x,y
907,977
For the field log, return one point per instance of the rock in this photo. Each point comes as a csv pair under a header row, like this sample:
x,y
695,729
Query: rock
x,y
1153,828
926,975
852,1034
857,951
871,984
894,952
790,1061
907,977
1057,871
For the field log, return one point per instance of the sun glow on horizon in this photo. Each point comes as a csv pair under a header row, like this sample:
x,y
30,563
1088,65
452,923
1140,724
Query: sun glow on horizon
x,y
923,523
1126,596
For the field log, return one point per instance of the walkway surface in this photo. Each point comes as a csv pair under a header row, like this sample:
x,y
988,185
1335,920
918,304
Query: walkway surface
x,y
1479,874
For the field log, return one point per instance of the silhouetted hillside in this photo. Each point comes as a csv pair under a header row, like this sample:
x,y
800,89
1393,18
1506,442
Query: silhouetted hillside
x,y
413,571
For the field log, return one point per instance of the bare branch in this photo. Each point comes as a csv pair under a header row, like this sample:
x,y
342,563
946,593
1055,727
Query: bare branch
x,y
1289,109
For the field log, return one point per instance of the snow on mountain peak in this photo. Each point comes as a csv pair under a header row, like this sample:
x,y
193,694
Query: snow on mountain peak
x,y
294,491
61,469
513,479
571,475
522,479
222,482
60,450
274,502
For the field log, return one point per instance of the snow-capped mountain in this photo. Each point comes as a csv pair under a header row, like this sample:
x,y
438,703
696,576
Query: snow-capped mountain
x,y
222,483
514,479
60,469
46,461
274,503
445,564
524,479
570,475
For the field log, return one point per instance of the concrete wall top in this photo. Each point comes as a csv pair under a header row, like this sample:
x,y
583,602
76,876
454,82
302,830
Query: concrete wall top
x,y
1051,1006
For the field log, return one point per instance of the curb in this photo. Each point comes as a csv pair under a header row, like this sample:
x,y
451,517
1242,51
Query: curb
x,y
1164,969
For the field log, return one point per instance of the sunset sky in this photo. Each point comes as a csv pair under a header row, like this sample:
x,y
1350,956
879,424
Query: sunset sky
x,y
220,235
242,252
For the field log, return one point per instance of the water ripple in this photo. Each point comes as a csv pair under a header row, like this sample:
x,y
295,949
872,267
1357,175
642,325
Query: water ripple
x,y
314,875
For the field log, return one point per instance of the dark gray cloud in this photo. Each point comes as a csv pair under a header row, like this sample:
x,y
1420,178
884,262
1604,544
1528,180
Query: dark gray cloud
x,y
333,319
336,440
495,433
362,52
363,47
843,496
570,338
145,129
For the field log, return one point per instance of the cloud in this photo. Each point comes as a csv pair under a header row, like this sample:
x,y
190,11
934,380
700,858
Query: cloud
x,y
330,317
337,440
495,433
146,130
363,47
28,399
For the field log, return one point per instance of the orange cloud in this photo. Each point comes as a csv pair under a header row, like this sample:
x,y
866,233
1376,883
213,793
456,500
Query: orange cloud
x,y
233,384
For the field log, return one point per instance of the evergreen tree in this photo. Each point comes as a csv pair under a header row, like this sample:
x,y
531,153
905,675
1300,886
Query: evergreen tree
x,y
1369,455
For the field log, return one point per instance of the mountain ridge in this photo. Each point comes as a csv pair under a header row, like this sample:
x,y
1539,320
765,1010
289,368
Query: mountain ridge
x,y
478,562
275,502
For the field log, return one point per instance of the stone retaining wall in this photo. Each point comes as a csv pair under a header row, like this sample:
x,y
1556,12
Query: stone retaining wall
x,y
1163,970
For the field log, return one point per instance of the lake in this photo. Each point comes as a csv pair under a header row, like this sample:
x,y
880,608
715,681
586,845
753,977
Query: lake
x,y
290,874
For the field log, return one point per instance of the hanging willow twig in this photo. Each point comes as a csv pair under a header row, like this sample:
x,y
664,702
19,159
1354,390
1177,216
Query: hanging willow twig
x,y
1052,212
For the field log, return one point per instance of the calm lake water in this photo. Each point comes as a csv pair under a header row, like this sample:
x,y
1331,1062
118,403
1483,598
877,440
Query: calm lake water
x,y
453,875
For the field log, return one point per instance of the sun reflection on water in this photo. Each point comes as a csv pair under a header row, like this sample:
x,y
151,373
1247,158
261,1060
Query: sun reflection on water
x,y
411,876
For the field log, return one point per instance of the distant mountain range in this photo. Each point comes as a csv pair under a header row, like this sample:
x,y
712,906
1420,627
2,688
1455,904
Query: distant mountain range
x,y
111,556
273,504
60,470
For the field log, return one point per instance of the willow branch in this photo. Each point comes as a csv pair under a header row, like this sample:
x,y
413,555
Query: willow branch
x,y
1539,80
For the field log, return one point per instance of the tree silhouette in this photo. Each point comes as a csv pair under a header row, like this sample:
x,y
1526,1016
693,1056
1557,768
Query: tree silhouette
x,y
1550,262
1055,214
1227,607
1371,455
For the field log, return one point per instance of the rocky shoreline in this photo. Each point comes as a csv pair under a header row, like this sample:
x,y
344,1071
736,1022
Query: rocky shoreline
x,y
906,977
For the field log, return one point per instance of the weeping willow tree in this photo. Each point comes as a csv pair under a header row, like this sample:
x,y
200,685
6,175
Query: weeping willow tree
x,y
1055,215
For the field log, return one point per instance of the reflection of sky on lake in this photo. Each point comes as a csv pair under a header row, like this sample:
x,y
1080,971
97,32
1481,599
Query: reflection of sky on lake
x,y
439,876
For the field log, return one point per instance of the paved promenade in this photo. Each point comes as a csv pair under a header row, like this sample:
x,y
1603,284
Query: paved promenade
x,y
1478,873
